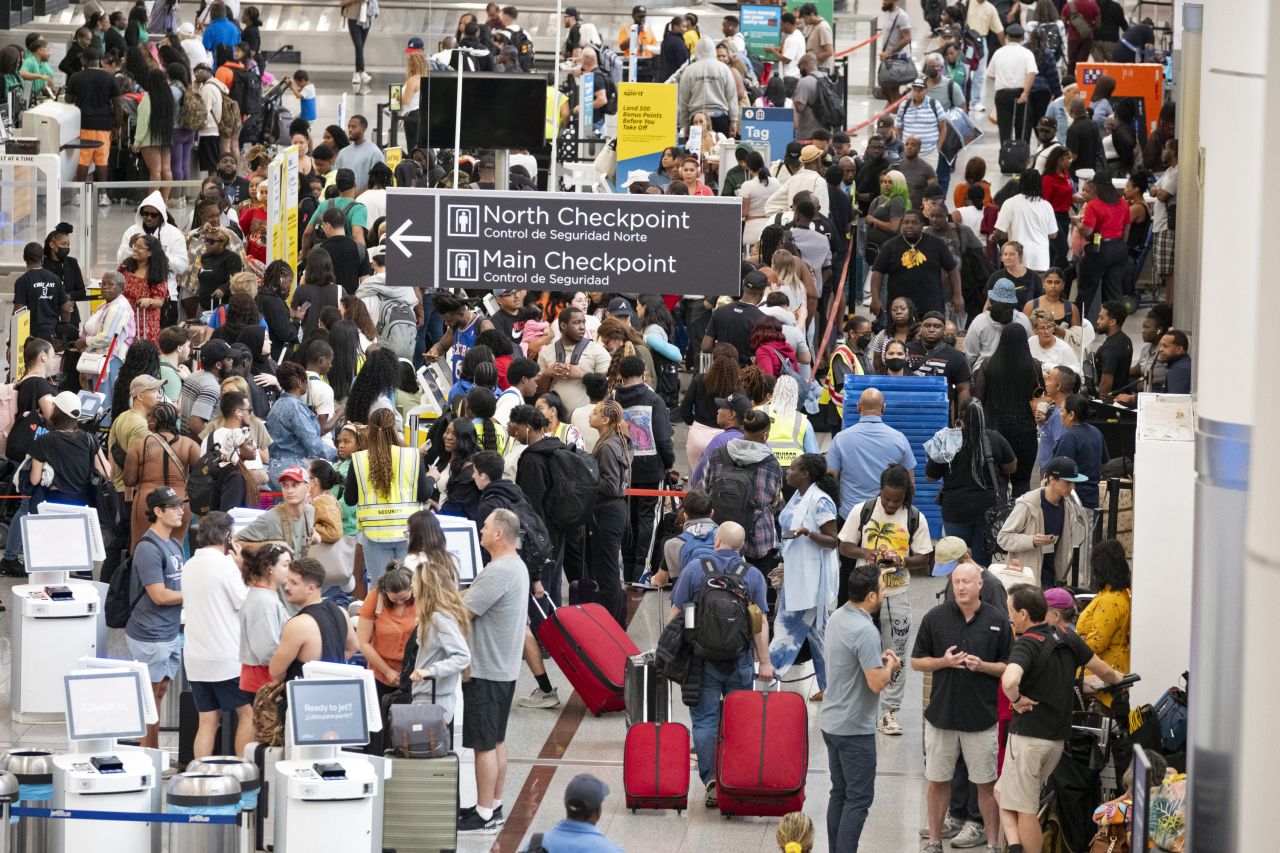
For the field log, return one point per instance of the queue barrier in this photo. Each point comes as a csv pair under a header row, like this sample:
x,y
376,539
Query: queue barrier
x,y
135,817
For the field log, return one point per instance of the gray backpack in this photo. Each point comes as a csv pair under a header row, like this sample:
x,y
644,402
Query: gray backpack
x,y
419,731
398,328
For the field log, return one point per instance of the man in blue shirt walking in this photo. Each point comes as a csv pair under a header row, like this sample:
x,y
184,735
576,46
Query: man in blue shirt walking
x,y
858,455
577,833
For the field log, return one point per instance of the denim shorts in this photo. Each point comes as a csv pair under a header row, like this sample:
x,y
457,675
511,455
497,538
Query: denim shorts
x,y
162,657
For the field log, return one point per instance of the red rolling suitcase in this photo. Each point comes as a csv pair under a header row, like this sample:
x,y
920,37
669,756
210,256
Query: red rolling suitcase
x,y
591,650
762,754
655,766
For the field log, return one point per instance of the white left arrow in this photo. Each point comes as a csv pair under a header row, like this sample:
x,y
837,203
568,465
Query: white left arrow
x,y
399,239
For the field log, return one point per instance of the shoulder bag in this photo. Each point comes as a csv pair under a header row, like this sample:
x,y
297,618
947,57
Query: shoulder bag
x,y
896,70
995,516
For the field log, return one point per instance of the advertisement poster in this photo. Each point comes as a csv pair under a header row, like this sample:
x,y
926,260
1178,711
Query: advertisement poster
x,y
646,125
826,8
1142,82
282,209
761,27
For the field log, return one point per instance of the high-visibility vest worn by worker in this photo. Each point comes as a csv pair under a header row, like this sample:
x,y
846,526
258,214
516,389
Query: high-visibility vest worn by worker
x,y
385,517
786,440
831,392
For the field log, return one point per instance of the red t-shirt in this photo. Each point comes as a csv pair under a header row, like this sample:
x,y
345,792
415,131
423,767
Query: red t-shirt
x,y
1057,191
1108,220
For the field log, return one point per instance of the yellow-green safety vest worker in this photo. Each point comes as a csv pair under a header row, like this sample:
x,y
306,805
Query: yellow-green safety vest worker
x,y
384,518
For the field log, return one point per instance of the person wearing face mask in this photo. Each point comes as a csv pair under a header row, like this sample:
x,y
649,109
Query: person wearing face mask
x,y
58,260
849,358
895,359
931,355
950,96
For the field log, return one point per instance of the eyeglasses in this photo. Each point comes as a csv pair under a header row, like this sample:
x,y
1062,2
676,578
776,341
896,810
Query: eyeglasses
x,y
150,214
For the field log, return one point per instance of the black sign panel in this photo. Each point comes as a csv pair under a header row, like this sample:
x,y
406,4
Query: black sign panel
x,y
481,239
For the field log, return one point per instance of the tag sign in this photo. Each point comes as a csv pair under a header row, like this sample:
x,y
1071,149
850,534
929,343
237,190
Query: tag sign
x,y
770,127
563,241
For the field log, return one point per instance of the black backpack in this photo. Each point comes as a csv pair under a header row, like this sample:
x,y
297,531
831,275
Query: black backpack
x,y
524,49
913,518
535,542
611,93
575,479
202,482
733,492
246,90
828,102
119,604
723,627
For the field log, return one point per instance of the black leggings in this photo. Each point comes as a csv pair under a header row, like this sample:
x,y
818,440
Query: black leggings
x,y
1103,270
358,36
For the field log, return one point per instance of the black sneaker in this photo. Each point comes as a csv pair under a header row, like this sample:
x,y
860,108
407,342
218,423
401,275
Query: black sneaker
x,y
475,825
463,813
12,568
499,816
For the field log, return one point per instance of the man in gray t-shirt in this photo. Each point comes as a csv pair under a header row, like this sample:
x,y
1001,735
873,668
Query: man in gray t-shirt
x,y
155,596
857,671
361,154
498,601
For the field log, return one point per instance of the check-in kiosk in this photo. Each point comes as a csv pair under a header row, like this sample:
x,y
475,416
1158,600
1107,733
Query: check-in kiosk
x,y
105,701
324,797
56,620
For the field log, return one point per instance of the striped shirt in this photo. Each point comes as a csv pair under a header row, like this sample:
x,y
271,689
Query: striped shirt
x,y
920,121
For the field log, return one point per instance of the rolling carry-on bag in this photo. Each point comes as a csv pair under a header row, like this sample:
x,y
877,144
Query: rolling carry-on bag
x,y
762,753
647,694
655,766
591,650
264,758
420,795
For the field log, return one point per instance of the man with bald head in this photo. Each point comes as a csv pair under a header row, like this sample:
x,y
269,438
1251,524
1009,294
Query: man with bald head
x,y
720,677
964,642
861,452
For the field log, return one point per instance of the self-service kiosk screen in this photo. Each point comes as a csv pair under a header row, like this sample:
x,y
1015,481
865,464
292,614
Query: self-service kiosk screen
x,y
105,705
328,712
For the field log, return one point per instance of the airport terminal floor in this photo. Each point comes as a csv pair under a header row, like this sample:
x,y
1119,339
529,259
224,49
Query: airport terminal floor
x,y
547,747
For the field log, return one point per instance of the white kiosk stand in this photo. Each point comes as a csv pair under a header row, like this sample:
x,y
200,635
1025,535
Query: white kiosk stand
x,y
56,620
324,798
107,700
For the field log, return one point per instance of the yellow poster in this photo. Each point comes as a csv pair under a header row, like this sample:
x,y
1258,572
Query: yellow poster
x,y
282,209
646,125
394,156
19,331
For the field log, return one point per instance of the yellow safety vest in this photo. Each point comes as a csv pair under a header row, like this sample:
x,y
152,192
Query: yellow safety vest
x,y
787,440
386,519
830,393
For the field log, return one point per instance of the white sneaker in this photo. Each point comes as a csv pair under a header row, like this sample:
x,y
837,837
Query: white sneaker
x,y
365,77
538,699
889,724
103,201
364,90
972,835
950,828
979,108
356,80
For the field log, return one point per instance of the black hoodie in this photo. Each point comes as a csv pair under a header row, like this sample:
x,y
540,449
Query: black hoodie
x,y
650,426
533,474
501,494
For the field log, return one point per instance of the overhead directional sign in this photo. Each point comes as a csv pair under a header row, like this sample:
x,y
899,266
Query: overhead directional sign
x,y
562,241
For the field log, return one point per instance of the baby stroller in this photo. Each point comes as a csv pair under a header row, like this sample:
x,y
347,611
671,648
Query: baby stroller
x,y
276,117
1086,776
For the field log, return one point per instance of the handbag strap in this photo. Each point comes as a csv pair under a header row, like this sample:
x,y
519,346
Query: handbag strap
x,y
1002,498
169,454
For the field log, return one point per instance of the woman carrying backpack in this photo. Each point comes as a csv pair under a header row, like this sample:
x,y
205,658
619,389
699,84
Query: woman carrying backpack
x,y
613,454
188,120
810,566
162,457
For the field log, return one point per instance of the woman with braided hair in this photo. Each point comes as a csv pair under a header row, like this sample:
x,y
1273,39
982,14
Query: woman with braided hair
x,y
387,483
613,454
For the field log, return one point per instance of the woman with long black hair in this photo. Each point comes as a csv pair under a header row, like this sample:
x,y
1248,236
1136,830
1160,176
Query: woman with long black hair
x,y
282,328
319,289
374,387
142,359
146,283
153,137
459,494
344,338
904,325
1105,225
135,31
698,408
1010,379
967,491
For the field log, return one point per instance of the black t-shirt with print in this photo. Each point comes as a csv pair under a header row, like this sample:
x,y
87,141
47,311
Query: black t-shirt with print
x,y
42,293
942,360
732,324
921,282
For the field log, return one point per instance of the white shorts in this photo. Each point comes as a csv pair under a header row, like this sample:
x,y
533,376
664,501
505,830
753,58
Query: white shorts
x,y
943,746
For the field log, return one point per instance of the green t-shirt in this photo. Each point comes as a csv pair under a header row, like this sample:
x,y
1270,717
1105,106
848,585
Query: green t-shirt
x,y
357,213
32,65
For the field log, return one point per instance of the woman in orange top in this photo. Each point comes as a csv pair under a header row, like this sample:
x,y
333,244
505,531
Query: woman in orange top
x,y
387,620
975,172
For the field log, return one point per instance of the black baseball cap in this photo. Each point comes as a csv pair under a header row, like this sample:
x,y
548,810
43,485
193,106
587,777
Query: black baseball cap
x,y
572,12
620,307
794,149
738,402
755,280
214,351
163,496
1063,468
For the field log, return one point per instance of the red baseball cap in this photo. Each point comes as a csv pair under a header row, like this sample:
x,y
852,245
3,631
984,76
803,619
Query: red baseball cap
x,y
296,472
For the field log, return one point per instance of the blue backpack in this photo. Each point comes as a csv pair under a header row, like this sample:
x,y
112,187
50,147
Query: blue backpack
x,y
696,547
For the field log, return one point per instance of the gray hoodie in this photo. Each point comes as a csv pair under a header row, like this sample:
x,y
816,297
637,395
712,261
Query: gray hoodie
x,y
706,85
746,452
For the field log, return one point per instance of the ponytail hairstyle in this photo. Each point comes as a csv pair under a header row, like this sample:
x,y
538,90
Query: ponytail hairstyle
x,y
757,167
397,579
481,406
897,477
795,833
323,474
814,466
380,437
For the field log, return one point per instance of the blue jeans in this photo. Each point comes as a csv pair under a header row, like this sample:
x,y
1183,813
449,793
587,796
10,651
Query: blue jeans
x,y
705,716
944,171
852,763
975,536
109,384
13,546
790,630
378,554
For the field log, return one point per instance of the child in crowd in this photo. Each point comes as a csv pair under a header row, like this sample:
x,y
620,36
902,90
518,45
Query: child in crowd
x,y
305,91
530,325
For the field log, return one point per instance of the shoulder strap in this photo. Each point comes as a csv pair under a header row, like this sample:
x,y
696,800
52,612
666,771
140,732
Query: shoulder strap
x,y
708,567
560,351
740,570
578,349
868,507
913,524
169,455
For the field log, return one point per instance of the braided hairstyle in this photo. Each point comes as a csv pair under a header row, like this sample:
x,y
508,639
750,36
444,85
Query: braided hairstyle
x,y
611,410
380,437
814,466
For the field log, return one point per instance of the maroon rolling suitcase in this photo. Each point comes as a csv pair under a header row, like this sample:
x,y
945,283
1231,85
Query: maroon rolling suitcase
x,y
591,650
655,766
762,753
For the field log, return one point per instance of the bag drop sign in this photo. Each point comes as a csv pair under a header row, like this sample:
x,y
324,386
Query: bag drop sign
x,y
562,241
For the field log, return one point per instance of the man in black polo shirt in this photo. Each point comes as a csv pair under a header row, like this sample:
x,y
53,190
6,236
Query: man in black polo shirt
x,y
732,323
914,262
963,643
930,355
350,259
1037,681
1113,358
